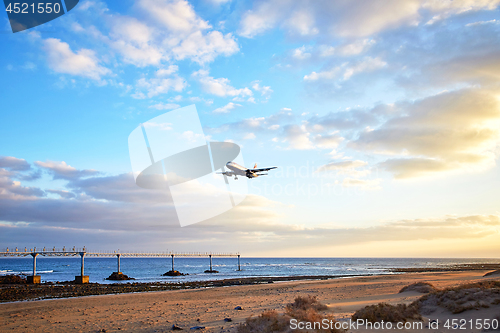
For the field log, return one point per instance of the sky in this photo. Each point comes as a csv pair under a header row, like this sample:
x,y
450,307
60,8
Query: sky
x,y
383,119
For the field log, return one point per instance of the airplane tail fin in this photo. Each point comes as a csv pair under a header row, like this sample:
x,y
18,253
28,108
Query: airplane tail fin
x,y
255,166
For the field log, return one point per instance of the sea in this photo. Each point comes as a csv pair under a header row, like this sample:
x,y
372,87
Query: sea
x,y
53,269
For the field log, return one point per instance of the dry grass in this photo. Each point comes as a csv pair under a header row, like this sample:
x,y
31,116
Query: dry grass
x,y
304,309
388,313
421,287
462,298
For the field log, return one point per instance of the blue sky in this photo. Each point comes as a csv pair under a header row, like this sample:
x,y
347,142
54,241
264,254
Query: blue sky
x,y
383,119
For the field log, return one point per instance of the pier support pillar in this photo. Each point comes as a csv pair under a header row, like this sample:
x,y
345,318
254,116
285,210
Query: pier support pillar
x,y
239,266
173,263
211,270
118,258
34,278
82,278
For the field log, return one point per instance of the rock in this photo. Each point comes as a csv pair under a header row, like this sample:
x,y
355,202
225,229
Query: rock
x,y
198,327
173,273
176,328
118,276
211,271
12,279
228,320
238,308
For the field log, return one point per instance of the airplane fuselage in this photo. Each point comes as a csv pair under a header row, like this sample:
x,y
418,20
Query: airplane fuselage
x,y
239,170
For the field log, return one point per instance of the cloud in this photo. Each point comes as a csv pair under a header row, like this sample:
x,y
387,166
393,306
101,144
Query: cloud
x,y
226,108
346,50
259,125
220,87
445,9
156,86
106,208
14,164
344,120
298,137
342,166
265,91
62,59
362,183
249,136
13,190
158,32
346,71
301,53
62,193
61,170
348,19
164,106
162,72
177,16
328,141
449,131
205,48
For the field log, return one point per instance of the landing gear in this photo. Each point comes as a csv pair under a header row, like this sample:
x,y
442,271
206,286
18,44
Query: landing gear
x,y
235,178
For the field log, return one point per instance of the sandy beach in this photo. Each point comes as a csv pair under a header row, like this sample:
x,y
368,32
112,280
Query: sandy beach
x,y
158,311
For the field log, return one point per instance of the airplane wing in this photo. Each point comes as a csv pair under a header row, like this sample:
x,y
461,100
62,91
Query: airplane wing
x,y
226,173
262,170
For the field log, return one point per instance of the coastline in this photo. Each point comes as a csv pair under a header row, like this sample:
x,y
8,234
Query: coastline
x,y
27,292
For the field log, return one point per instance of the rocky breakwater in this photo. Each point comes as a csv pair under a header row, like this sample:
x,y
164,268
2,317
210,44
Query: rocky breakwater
x,y
118,276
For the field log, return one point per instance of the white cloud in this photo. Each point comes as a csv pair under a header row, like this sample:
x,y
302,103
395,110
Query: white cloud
x,y
325,75
297,137
350,49
220,87
156,86
176,16
164,106
349,19
263,17
328,141
249,136
226,108
162,72
301,53
265,91
368,64
205,48
302,22
62,59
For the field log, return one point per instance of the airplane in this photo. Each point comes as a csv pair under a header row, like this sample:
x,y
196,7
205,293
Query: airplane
x,y
238,170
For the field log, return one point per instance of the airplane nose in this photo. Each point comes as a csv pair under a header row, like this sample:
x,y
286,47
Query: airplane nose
x,y
228,163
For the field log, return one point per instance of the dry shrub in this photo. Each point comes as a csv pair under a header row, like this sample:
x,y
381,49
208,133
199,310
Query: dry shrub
x,y
388,313
420,287
304,309
266,322
462,298
305,303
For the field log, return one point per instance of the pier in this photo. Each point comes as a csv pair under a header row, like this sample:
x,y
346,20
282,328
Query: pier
x,y
83,252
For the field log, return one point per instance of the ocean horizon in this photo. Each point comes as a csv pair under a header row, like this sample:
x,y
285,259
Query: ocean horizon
x,y
151,269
